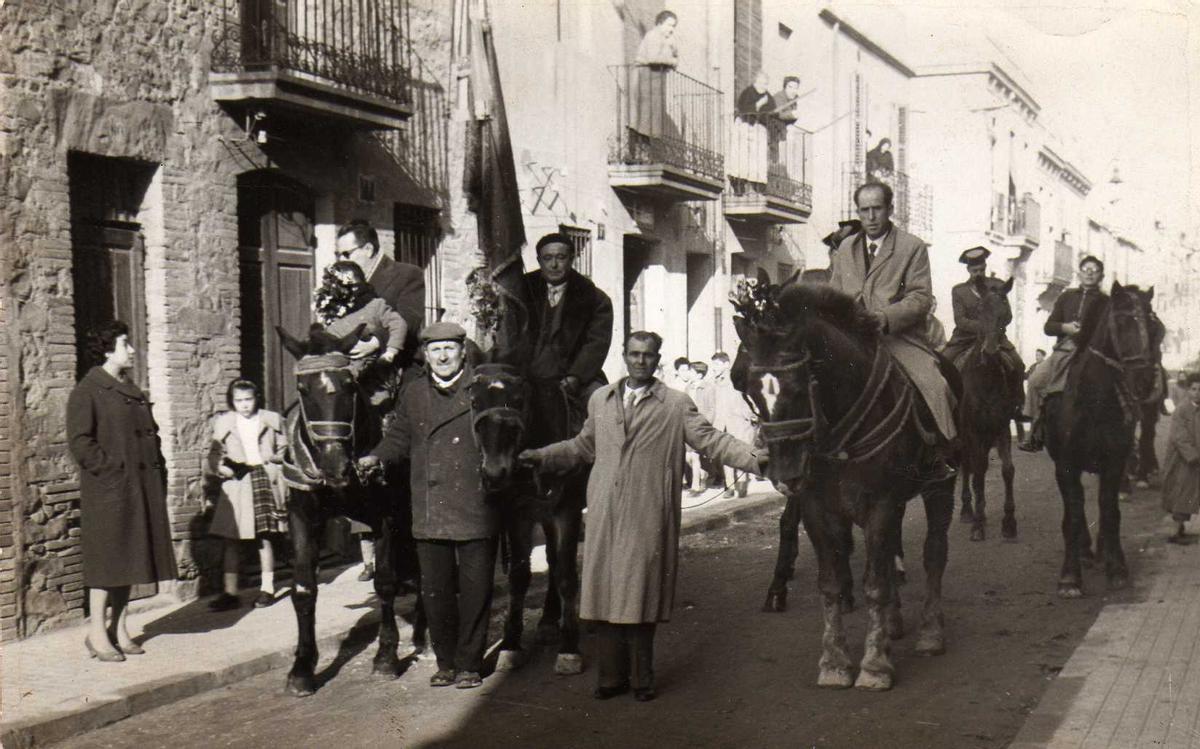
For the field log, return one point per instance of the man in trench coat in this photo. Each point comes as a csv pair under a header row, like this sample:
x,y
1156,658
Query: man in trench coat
x,y
634,436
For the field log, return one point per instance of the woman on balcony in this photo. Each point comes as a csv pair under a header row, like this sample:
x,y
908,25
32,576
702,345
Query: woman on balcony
x,y
657,56
748,154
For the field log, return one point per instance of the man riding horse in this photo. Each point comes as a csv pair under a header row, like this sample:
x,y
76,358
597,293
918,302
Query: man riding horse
x,y
1071,308
887,271
967,298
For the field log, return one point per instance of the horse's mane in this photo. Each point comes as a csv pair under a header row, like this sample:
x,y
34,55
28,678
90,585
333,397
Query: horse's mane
x,y
830,305
1091,321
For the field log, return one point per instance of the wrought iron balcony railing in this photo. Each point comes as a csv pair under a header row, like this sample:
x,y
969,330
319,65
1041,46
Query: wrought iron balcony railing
x,y
666,117
1016,218
768,158
359,45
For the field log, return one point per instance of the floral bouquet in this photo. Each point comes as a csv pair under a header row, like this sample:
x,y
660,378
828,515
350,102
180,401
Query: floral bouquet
x,y
485,300
335,298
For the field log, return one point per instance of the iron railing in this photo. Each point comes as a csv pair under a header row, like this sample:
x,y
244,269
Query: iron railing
x,y
1016,218
421,146
768,158
666,117
912,201
361,45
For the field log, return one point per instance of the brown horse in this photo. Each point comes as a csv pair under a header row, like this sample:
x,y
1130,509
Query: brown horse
x,y
986,411
842,426
1089,427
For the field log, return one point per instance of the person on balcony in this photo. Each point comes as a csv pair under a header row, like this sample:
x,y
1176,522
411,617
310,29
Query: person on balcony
x,y
656,57
753,112
880,162
785,114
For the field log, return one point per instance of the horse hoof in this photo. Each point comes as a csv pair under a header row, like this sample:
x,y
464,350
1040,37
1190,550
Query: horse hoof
x,y
568,664
978,533
387,667
1119,581
930,644
835,678
1008,528
1069,591
510,660
880,681
775,603
300,686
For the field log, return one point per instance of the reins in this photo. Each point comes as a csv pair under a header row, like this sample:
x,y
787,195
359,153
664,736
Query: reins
x,y
1125,365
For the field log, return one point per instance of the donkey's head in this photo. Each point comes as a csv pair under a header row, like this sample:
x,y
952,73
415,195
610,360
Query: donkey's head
x,y
499,413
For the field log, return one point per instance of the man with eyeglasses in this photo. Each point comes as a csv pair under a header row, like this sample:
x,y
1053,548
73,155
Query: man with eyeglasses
x,y
1072,308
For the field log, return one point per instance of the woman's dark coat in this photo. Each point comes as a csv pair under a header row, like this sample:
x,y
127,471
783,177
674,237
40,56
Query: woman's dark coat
x,y
126,534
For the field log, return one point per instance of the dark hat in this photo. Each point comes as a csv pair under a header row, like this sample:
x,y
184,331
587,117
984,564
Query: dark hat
x,y
1091,259
845,229
974,256
442,331
555,238
853,223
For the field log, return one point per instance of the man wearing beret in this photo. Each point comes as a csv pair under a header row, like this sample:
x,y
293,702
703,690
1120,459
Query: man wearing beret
x,y
572,322
454,525
967,299
1072,307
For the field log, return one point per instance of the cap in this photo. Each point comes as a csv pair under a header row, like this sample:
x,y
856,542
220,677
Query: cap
x,y
974,256
1091,259
845,229
442,331
555,238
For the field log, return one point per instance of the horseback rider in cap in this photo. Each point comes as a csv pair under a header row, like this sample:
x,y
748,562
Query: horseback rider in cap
x,y
966,298
1071,308
887,271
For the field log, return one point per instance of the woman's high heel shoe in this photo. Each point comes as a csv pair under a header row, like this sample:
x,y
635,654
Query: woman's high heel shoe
x,y
114,657
131,649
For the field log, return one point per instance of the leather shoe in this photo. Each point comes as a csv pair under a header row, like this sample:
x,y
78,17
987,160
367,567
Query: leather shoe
x,y
224,602
131,649
607,693
644,695
1030,445
367,574
443,678
467,680
264,599
116,656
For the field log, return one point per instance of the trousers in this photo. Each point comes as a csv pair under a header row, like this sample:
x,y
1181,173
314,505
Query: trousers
x,y
625,654
456,584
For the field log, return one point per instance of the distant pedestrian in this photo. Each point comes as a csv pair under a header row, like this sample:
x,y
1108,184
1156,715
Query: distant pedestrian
x,y
244,468
732,415
1181,465
700,389
681,374
125,532
634,437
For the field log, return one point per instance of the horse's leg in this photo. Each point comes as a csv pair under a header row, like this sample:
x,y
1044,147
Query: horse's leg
x,y
304,525
567,521
1074,526
1008,526
894,620
785,561
876,671
939,510
843,534
549,625
978,458
1109,534
967,514
519,530
835,667
386,662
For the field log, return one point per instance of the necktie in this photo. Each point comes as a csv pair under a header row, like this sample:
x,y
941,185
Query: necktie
x,y
630,396
871,253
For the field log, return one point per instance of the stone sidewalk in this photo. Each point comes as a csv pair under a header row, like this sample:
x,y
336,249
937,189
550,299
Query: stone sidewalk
x,y
1134,680
50,690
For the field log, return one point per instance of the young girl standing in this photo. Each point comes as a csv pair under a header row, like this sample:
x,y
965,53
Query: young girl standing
x,y
245,457
1181,466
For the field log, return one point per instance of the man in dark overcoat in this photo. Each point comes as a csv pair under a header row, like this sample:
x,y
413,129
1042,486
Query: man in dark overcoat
x,y
572,322
1071,309
454,525
967,301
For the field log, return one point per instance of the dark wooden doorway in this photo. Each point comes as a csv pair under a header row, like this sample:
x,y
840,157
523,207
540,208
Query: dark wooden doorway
x,y
276,258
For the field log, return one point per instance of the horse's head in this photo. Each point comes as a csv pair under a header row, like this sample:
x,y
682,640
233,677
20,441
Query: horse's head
x,y
788,334
499,412
329,401
994,312
1132,335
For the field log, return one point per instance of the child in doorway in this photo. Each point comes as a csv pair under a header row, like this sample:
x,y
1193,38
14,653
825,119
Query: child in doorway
x,y
245,459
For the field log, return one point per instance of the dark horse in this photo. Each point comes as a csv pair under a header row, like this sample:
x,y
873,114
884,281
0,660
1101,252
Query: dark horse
x,y
331,426
1090,426
985,413
842,426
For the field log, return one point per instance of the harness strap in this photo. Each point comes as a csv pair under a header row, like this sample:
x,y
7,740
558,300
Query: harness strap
x,y
300,469
881,373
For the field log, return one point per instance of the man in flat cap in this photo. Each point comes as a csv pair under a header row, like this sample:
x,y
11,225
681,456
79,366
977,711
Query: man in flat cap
x,y
572,322
455,527
967,299
1072,307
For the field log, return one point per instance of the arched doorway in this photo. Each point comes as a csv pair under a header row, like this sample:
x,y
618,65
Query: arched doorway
x,y
276,247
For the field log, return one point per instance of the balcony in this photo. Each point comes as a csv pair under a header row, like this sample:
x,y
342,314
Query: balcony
x,y
1016,224
668,139
343,62
912,201
768,173
1064,263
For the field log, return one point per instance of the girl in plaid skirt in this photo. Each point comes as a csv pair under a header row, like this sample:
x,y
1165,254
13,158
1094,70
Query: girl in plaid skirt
x,y
244,467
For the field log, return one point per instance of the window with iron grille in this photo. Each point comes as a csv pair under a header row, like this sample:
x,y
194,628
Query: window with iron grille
x,y
582,241
418,235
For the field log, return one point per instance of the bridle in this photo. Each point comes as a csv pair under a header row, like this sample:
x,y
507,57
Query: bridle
x,y
1126,365
848,440
514,386
300,467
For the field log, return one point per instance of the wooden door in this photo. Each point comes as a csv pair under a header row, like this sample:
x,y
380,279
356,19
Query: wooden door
x,y
108,268
277,260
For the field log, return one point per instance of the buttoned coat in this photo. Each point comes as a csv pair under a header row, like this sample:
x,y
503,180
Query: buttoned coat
x,y
234,514
125,531
631,546
898,286
967,328
582,334
402,286
432,430
1181,464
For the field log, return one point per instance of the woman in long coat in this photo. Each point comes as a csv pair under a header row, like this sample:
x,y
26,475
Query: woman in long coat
x,y
126,536
1181,465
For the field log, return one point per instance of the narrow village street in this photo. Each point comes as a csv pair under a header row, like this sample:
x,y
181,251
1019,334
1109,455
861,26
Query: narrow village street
x,y
729,675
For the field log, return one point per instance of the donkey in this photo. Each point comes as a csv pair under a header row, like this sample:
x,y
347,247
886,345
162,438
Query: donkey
x,y
842,426
330,426
1089,427
986,411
